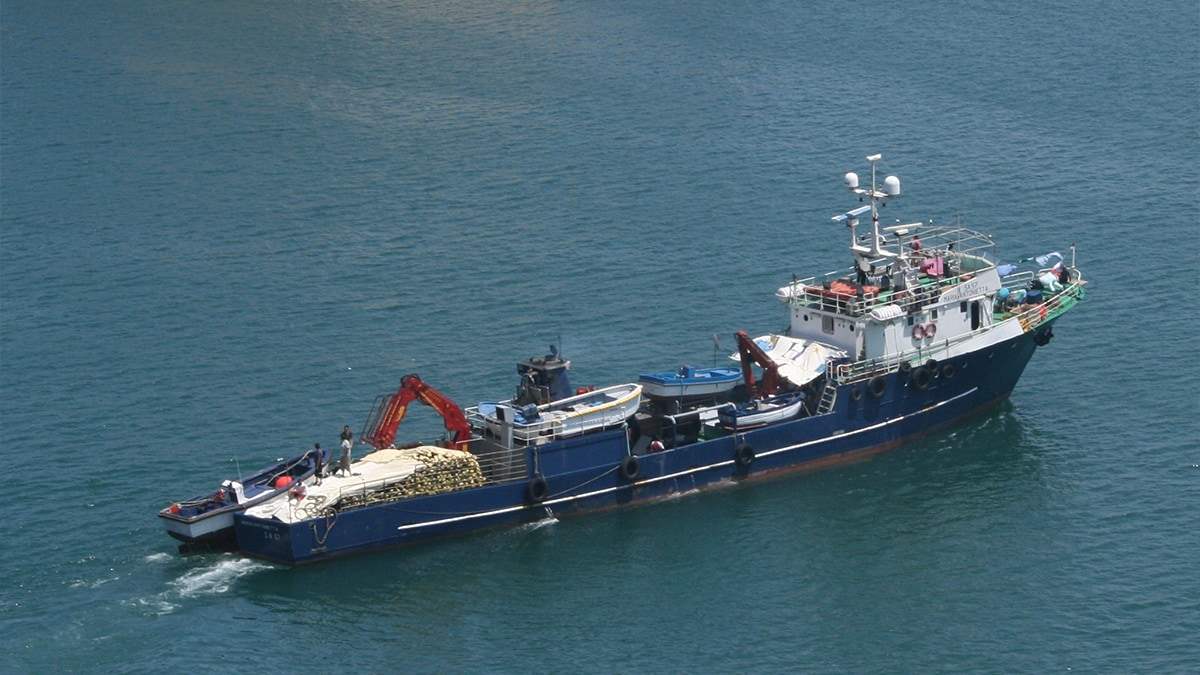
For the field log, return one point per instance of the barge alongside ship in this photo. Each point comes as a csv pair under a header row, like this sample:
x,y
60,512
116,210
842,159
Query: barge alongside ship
x,y
926,328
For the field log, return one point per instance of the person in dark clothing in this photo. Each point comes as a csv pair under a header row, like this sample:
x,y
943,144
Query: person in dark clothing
x,y
318,461
347,445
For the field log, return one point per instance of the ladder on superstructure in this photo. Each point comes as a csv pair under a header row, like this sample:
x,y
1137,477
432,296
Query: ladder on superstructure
x,y
828,397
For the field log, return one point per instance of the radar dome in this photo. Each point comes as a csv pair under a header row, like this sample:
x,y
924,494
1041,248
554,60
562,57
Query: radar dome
x,y
851,180
891,186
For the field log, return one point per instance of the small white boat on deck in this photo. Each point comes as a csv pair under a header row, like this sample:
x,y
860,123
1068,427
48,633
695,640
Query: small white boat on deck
x,y
689,383
207,520
762,411
572,416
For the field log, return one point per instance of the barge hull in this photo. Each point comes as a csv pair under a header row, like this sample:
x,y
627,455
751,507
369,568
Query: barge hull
x,y
587,473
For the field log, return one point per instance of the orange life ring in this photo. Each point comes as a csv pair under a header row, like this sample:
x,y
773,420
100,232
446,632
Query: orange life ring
x,y
930,330
918,332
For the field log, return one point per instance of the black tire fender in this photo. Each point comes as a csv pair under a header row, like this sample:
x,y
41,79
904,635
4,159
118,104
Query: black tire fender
x,y
877,386
922,377
743,455
630,467
536,490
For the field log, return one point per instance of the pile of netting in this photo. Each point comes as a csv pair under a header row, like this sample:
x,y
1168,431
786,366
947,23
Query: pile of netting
x,y
440,471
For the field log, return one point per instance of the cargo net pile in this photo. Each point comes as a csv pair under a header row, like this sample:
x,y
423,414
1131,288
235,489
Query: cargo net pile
x,y
439,471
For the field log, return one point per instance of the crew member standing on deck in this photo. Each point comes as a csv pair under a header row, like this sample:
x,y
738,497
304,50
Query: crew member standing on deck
x,y
318,461
347,446
862,266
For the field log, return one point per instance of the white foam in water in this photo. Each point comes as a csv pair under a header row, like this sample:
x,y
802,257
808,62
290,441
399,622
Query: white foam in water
x,y
680,494
212,579
216,579
538,524
158,605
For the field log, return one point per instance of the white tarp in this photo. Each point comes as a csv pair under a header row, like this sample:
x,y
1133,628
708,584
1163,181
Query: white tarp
x,y
800,361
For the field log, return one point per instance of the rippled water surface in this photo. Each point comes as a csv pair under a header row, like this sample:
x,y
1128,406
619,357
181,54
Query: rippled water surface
x,y
227,226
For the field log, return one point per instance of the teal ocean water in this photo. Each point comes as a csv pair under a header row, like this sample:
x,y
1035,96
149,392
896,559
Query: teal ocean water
x,y
226,226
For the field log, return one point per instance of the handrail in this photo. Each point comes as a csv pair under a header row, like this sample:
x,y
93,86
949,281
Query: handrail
x,y
926,292
1054,306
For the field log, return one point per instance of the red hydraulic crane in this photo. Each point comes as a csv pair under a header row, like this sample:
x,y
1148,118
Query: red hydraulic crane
x,y
751,353
385,419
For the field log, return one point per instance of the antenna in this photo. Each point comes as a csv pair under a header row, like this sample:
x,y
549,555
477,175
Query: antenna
x,y
890,188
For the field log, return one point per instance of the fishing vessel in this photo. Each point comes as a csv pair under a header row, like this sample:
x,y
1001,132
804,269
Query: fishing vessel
x,y
206,521
927,327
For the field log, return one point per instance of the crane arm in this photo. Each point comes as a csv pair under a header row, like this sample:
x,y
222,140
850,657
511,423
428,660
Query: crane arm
x,y
456,421
750,353
383,433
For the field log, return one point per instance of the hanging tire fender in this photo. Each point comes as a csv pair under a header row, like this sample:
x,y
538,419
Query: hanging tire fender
x,y
743,455
536,490
630,467
877,386
922,377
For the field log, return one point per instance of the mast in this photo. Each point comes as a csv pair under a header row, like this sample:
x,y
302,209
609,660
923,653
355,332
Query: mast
x,y
877,194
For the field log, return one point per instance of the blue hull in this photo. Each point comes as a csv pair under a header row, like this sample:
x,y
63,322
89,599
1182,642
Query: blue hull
x,y
593,472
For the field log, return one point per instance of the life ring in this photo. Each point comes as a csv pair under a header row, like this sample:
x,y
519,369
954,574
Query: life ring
x,y
855,393
536,490
630,467
877,386
743,456
918,332
948,371
930,329
921,378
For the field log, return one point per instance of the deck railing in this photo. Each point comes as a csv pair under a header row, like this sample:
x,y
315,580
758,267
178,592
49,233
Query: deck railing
x,y
1030,317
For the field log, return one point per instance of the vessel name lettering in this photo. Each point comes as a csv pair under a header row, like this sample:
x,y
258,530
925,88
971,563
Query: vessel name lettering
x,y
965,290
